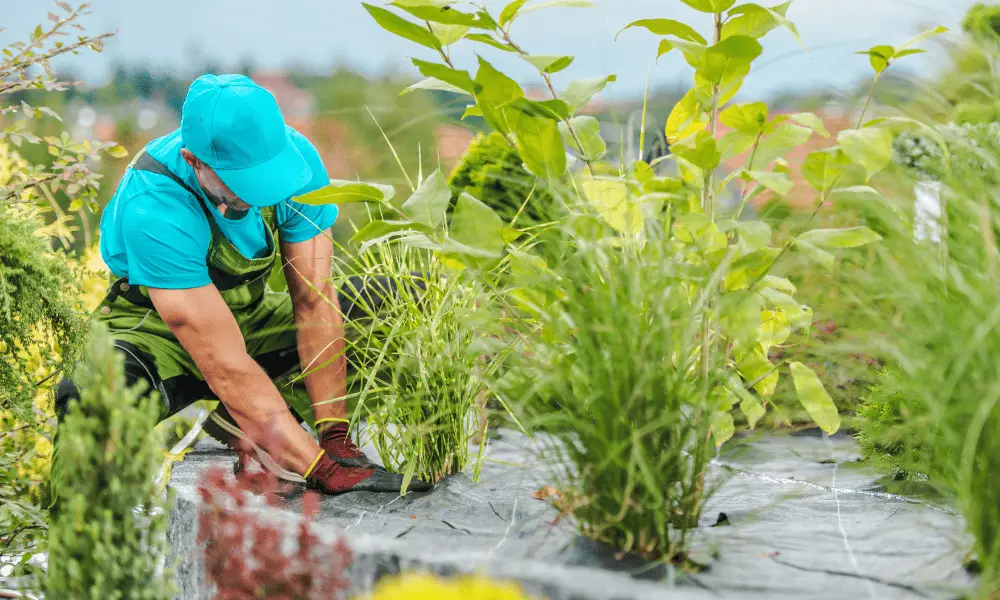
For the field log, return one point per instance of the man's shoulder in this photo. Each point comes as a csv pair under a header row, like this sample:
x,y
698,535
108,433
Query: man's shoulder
x,y
163,207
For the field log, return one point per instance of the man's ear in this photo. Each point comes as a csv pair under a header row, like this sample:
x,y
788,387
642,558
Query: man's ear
x,y
189,158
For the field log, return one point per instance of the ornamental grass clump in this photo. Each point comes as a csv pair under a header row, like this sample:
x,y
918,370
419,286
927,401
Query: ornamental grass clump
x,y
420,357
612,372
931,307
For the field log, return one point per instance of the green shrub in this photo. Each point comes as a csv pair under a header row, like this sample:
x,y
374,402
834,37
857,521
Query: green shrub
x,y
491,171
982,21
38,307
107,540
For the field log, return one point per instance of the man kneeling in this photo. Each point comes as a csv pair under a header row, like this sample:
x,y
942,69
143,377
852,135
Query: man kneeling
x,y
191,237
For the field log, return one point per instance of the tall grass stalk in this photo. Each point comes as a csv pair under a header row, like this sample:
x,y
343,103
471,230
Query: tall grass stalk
x,y
612,371
935,319
420,356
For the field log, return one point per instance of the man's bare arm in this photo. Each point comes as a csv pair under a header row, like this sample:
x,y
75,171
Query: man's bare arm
x,y
320,325
205,327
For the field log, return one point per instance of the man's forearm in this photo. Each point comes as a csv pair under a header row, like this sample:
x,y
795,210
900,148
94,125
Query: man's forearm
x,y
251,397
321,353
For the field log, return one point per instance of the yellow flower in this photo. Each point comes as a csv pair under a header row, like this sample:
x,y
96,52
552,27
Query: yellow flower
x,y
422,586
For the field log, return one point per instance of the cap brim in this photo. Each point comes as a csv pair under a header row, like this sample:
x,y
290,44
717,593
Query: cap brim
x,y
270,182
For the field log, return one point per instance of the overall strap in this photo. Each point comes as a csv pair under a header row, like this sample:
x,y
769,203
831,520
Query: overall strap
x,y
145,162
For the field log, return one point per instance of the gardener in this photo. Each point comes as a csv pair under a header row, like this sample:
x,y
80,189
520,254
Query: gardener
x,y
191,236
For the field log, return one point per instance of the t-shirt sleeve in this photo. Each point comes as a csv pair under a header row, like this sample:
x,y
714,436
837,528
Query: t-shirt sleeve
x,y
299,222
165,242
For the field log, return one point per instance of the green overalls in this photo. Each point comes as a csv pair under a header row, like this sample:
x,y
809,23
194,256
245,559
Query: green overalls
x,y
265,317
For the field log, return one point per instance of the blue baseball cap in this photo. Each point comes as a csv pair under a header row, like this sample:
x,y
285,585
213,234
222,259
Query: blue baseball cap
x,y
235,127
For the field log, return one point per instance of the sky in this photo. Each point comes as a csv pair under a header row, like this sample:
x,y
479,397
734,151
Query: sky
x,y
315,34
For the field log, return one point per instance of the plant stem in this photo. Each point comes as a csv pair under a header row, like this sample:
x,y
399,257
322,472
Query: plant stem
x,y
708,203
746,185
868,101
824,196
708,191
555,96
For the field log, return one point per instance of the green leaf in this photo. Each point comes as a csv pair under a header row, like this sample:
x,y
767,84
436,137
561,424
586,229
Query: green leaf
x,y
755,367
686,119
510,11
745,118
550,109
428,204
774,329
549,64
380,229
557,4
751,408
397,25
579,93
735,143
922,37
871,147
455,77
497,91
730,60
694,53
588,130
779,183
472,110
345,192
751,267
448,34
434,84
710,6
475,224
702,151
739,315
880,57
823,168
814,398
755,234
812,121
612,200
859,194
489,40
851,237
785,138
698,230
822,257
668,27
780,284
541,147
757,21
782,301
117,152
722,424
445,15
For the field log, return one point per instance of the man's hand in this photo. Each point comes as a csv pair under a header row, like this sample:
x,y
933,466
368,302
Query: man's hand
x,y
206,328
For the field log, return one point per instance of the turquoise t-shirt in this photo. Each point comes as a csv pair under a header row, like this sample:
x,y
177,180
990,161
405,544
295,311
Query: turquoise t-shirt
x,y
156,234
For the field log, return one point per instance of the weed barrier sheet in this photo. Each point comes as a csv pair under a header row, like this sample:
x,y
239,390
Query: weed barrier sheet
x,y
794,516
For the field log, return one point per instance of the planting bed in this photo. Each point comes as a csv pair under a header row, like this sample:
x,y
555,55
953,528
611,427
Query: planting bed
x,y
803,521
